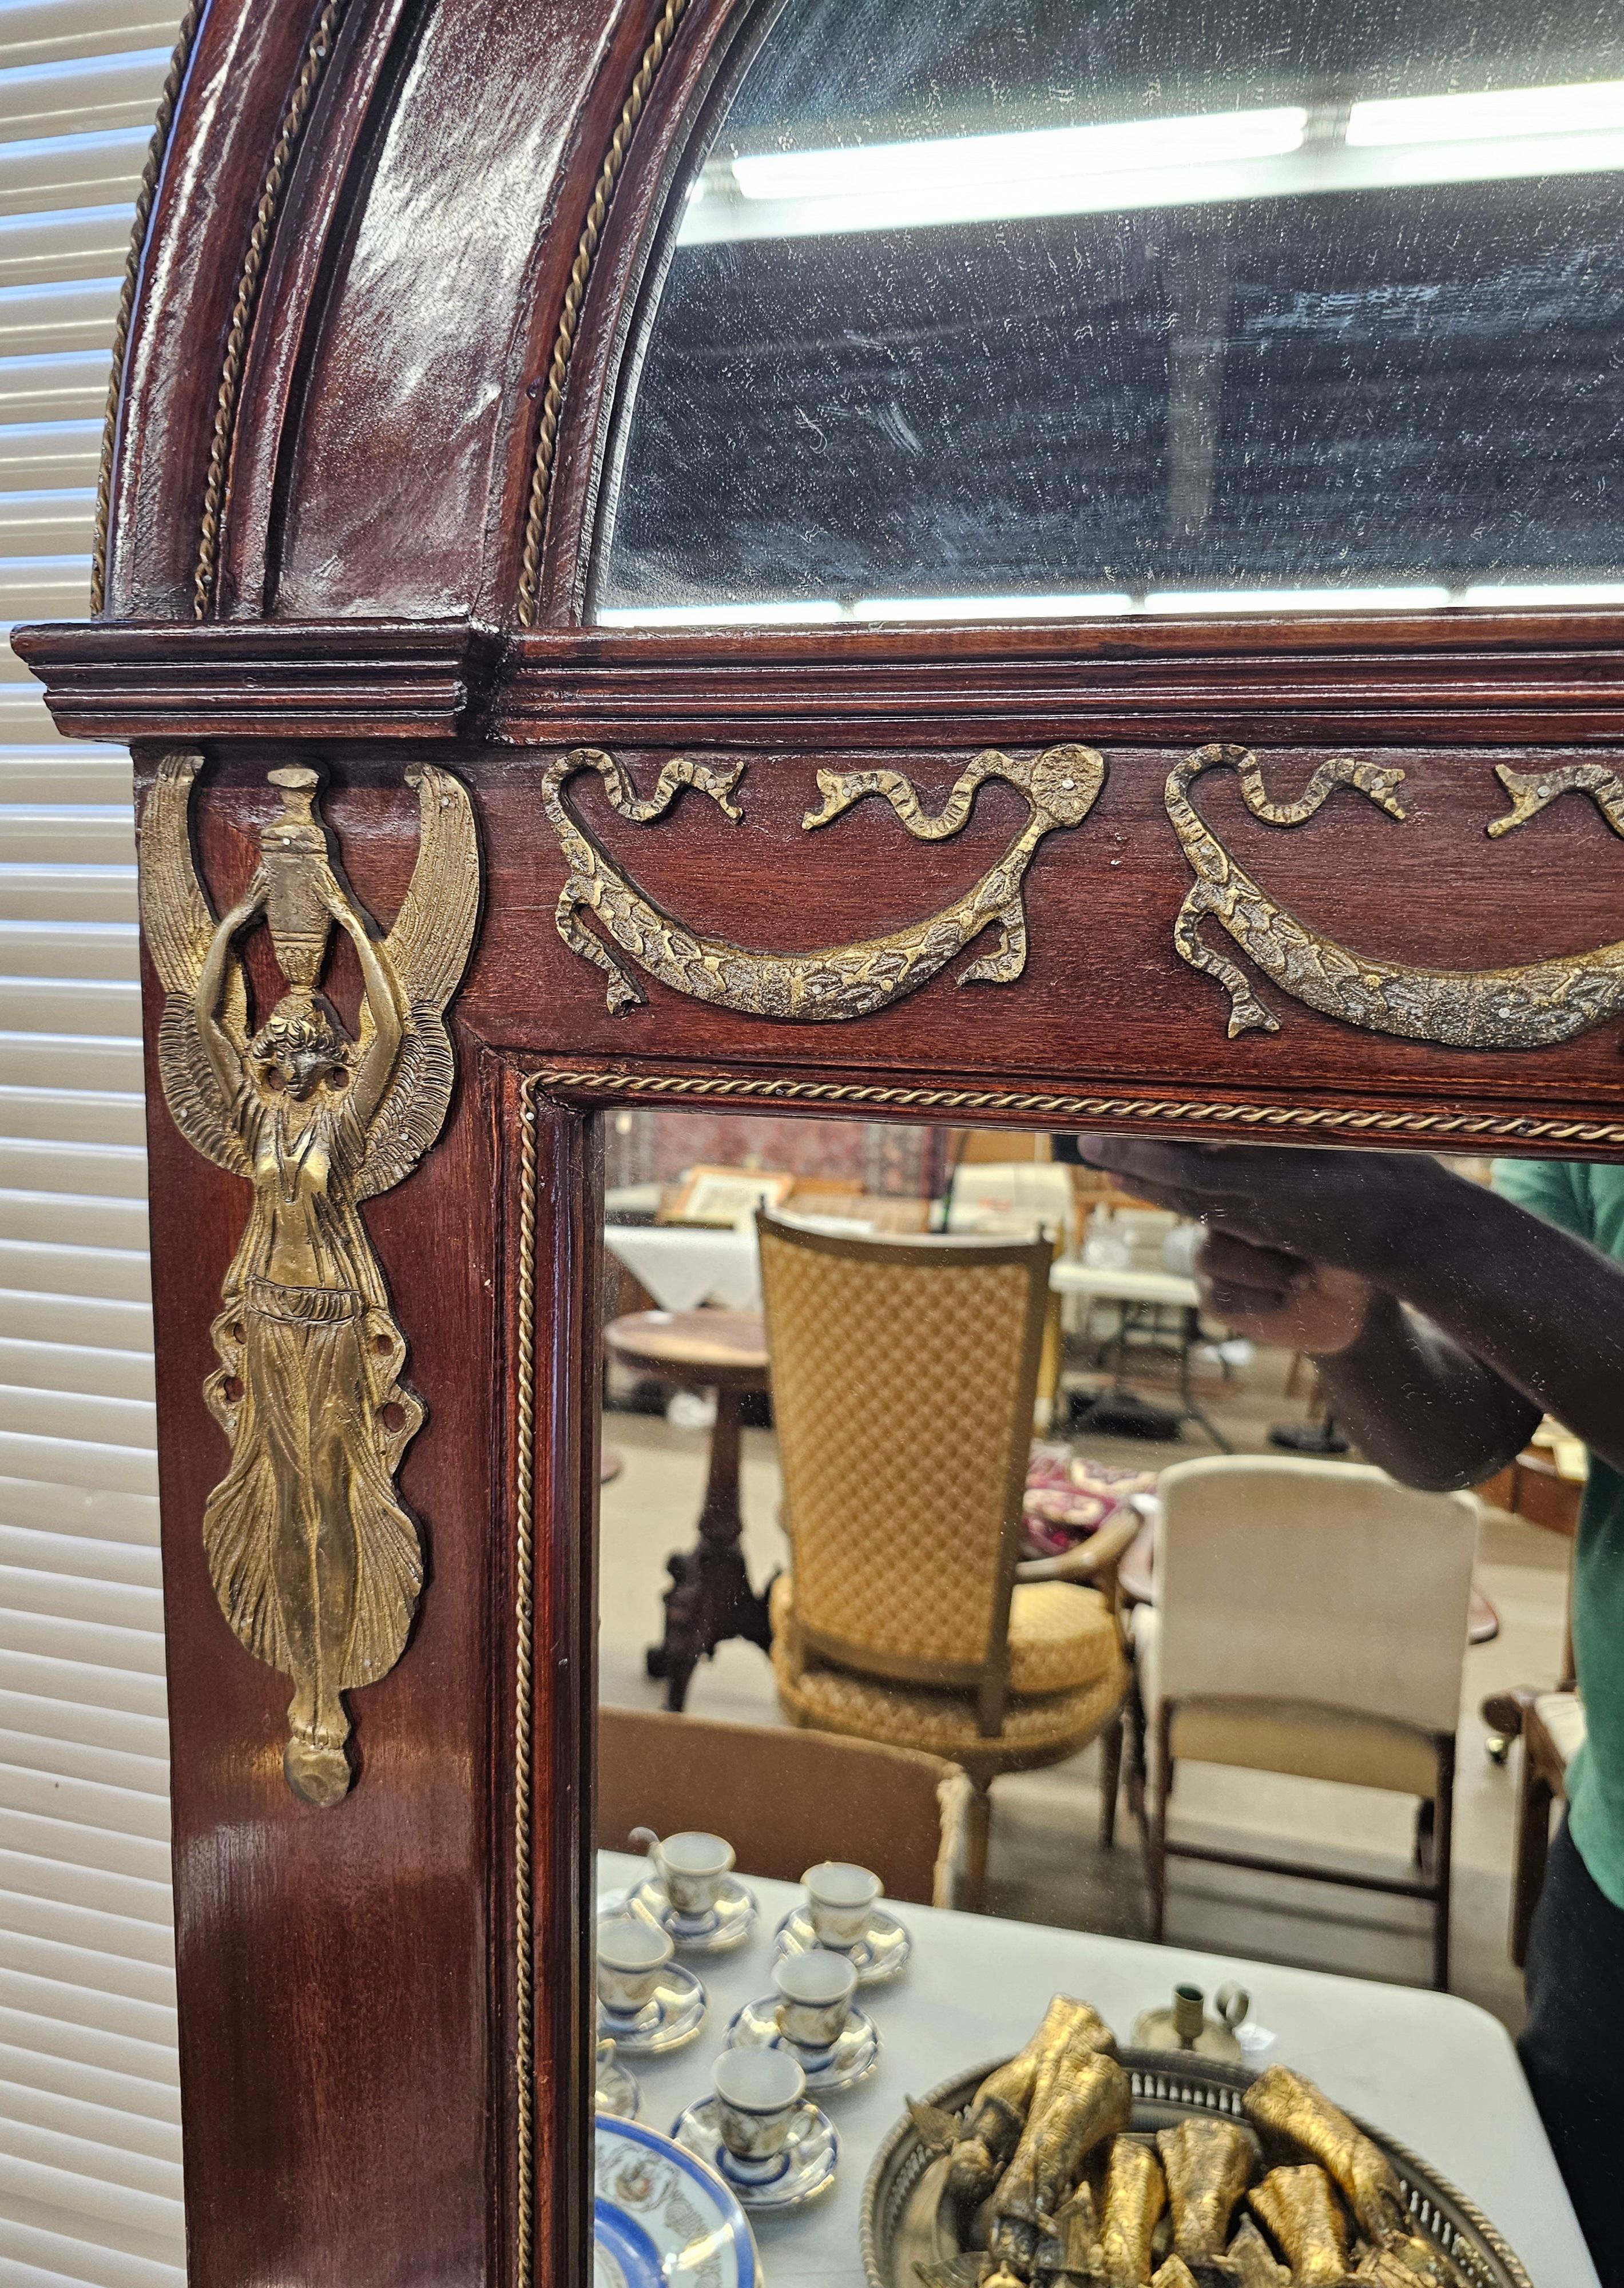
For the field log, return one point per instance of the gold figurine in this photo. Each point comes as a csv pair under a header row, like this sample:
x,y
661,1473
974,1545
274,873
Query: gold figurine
x,y
1042,2181
1299,2209
1290,2107
1095,2103
1135,2193
316,1564
1208,2165
1250,2261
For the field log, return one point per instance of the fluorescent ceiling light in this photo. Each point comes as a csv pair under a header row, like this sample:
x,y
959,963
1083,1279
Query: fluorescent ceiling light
x,y
1502,135
1416,599
1552,593
1090,606
777,613
1587,107
958,161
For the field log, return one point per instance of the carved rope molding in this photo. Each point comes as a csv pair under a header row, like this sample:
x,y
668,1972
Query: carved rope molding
x,y
144,197
524,1622
316,1564
575,294
1059,1110
318,53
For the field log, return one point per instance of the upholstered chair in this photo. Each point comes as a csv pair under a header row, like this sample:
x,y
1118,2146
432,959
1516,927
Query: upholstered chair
x,y
1310,1618
902,1375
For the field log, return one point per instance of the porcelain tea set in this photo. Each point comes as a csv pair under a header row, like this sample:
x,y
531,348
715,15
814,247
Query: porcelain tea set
x,y
762,2127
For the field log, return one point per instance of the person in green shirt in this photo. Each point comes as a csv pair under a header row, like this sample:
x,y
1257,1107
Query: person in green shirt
x,y
1445,1318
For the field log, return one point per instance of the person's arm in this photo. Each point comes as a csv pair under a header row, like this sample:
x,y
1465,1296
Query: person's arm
x,y
211,984
372,1074
1518,1317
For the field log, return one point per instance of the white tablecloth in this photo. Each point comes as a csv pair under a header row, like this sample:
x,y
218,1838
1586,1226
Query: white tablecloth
x,y
1437,2073
683,1265
1101,1285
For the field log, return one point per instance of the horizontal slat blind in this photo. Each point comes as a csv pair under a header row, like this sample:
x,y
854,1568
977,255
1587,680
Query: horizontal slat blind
x,y
90,2141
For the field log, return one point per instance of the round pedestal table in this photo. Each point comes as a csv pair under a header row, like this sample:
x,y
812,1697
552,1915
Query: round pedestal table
x,y
710,1598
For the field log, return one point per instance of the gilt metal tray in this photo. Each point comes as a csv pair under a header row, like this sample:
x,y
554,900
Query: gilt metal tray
x,y
901,2200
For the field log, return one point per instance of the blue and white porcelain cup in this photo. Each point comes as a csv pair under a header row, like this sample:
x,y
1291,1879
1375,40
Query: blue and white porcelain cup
x,y
757,2093
693,1867
815,1999
840,1901
632,1954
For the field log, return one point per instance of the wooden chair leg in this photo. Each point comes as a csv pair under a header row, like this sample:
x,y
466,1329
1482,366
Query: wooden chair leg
x,y
1110,1779
1156,1825
1532,1843
1443,1854
1137,1768
977,1826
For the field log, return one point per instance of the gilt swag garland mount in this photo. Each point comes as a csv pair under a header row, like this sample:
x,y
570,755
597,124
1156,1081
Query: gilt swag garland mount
x,y
317,1563
1532,1004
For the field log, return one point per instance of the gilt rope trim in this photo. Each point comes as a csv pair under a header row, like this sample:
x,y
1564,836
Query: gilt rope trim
x,y
575,294
1461,1127
144,198
318,53
524,1613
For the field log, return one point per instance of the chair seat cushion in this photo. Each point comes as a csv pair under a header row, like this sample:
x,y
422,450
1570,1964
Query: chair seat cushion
x,y
1061,1635
1039,1730
1304,1738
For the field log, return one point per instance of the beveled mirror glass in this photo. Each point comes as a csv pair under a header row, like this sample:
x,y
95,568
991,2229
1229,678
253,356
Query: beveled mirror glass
x,y
1057,1557
1038,310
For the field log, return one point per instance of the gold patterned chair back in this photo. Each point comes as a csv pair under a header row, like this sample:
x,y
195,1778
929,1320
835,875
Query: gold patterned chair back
x,y
902,1378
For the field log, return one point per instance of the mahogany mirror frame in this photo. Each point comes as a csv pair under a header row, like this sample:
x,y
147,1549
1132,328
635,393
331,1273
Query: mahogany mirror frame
x,y
389,260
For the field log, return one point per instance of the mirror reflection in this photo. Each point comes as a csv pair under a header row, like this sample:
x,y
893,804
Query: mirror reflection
x,y
1030,310
1090,1733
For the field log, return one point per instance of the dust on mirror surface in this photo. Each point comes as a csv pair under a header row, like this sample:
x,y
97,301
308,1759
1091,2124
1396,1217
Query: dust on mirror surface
x,y
1025,310
1028,1542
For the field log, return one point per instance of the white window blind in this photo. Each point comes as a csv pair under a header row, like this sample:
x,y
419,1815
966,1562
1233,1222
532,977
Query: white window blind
x,y
90,2140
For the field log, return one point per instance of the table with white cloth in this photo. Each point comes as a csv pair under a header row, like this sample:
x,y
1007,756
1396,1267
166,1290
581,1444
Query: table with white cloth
x,y
1435,2072
685,1265
1135,1290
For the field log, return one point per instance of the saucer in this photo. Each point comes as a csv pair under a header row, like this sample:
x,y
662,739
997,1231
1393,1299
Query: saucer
x,y
877,1958
615,2090
809,2154
841,2066
674,2017
662,2220
728,1924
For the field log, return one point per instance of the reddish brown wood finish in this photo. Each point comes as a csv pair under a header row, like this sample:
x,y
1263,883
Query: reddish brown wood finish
x,y
353,1982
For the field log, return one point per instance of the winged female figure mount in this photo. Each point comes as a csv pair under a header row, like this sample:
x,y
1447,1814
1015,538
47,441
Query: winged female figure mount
x,y
317,1563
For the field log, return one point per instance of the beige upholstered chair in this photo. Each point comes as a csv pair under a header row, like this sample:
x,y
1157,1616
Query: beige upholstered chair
x,y
785,1799
1309,1617
902,1373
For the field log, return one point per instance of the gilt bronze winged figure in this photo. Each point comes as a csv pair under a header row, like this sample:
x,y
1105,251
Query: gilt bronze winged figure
x,y
317,1563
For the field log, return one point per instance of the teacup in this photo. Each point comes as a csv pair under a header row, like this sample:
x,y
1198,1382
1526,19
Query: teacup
x,y
632,1953
693,1867
757,2093
840,1900
815,1993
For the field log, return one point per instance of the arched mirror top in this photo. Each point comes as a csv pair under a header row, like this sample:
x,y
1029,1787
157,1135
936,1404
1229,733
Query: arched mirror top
x,y
1028,311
